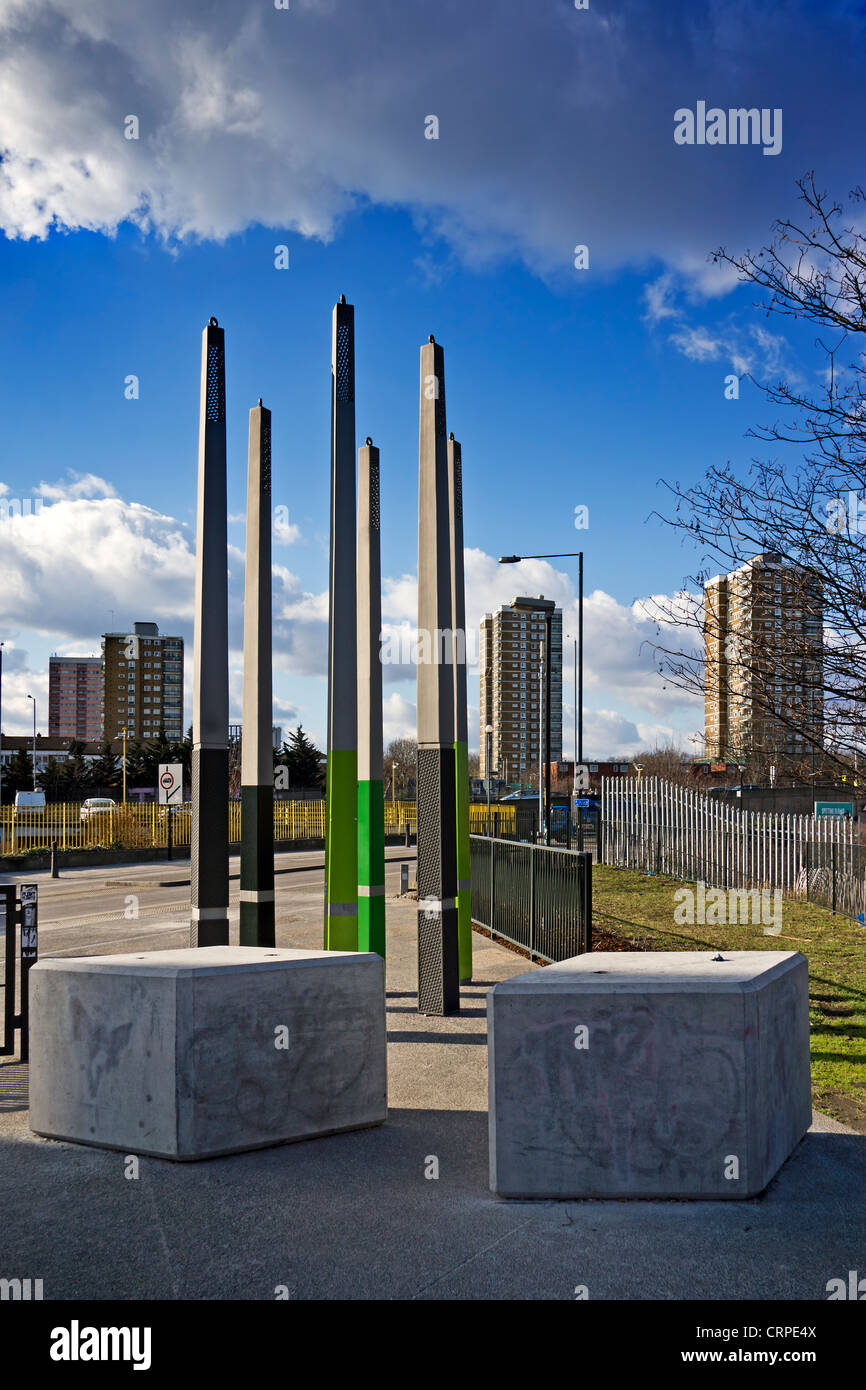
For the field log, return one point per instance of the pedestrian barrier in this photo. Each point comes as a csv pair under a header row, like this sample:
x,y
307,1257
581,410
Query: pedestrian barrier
x,y
534,896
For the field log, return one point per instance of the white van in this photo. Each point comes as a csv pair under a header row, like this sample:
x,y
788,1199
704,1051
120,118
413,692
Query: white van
x,y
29,801
97,806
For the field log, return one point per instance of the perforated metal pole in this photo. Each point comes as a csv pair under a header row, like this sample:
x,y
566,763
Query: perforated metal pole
x,y
209,844
438,964
371,791
257,755
341,833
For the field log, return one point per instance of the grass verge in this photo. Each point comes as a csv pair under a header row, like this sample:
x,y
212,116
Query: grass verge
x,y
638,910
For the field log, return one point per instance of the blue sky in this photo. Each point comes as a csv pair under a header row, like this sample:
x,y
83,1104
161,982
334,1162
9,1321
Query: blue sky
x,y
306,128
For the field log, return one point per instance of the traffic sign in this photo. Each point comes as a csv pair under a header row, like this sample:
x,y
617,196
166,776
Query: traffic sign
x,y
582,802
170,784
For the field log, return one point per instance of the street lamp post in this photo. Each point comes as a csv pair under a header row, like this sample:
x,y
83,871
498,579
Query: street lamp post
x,y
563,555
1,725
124,768
544,734
33,698
489,745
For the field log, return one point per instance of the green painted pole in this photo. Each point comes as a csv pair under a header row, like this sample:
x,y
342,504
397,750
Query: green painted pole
x,y
371,795
341,837
461,720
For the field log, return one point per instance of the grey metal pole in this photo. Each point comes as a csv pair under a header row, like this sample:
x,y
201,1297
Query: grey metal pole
x,y
341,840
438,965
489,740
541,693
1,737
209,843
33,698
580,660
578,699
257,755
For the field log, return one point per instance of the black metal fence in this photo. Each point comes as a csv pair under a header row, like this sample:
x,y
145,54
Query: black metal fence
x,y
534,896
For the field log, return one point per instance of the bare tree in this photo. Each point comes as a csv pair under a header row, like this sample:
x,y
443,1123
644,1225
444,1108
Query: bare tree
x,y
401,757
669,763
804,507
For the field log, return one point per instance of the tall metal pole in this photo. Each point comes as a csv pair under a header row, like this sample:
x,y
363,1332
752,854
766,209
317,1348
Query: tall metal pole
x,y
371,783
580,661
578,699
341,835
2,644
257,926
488,734
438,951
575,705
209,844
547,695
33,698
541,729
461,718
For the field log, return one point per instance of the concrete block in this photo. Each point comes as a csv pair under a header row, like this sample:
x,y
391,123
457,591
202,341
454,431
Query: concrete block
x,y
193,1053
648,1074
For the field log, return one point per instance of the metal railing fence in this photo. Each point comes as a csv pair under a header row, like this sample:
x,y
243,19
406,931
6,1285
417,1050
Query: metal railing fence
x,y
534,896
146,825
658,827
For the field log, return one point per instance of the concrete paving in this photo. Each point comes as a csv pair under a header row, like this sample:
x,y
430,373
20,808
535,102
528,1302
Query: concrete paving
x,y
363,1215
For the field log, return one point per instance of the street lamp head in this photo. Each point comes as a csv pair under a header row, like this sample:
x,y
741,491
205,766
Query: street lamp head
x,y
489,729
509,559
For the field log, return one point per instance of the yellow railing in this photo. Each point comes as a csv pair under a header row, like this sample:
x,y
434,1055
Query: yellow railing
x,y
146,826
503,817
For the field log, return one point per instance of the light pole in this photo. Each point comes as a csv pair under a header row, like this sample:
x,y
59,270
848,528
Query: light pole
x,y
393,784
489,746
563,555
1,723
33,698
124,767
544,732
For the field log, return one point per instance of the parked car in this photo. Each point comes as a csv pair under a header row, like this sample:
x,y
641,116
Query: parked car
x,y
97,806
29,801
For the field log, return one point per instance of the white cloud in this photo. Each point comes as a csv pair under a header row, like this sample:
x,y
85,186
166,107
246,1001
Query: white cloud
x,y
696,344
67,567
556,126
399,717
90,552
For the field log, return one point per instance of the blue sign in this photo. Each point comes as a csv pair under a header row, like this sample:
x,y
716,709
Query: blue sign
x,y
582,802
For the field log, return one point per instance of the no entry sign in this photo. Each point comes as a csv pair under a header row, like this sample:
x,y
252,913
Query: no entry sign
x,y
170,784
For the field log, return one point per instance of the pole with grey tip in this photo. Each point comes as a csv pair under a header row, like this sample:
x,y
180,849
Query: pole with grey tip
x,y
209,845
341,831
438,969
257,755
